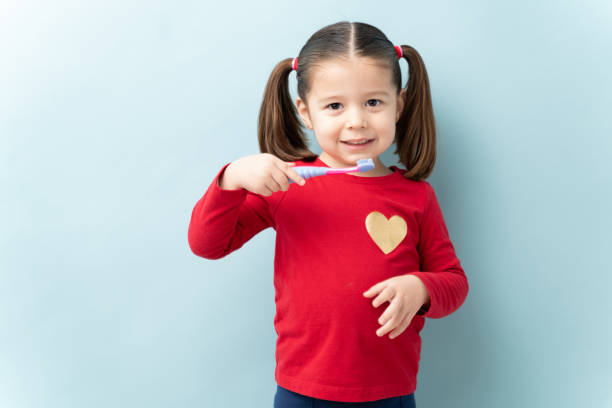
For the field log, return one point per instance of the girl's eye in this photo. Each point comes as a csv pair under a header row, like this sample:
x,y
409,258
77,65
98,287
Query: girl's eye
x,y
338,103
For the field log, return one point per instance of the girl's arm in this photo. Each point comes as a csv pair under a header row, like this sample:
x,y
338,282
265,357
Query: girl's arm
x,y
441,271
224,219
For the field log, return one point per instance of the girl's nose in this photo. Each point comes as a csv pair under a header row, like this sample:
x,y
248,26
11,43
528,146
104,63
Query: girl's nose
x,y
356,119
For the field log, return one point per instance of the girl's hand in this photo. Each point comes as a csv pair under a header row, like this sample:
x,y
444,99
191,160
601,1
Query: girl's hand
x,y
406,294
261,173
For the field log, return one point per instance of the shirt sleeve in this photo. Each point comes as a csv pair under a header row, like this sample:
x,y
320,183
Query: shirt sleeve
x,y
223,220
440,271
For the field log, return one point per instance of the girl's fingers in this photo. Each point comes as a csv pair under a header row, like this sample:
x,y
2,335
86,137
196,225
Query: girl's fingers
x,y
294,175
281,180
401,327
270,188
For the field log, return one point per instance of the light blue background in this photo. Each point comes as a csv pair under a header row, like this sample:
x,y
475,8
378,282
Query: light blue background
x,y
116,115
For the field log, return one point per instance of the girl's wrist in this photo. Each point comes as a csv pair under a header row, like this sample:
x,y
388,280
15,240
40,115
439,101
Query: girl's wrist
x,y
225,182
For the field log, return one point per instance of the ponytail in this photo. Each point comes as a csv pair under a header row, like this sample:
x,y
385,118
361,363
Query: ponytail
x,y
415,131
278,128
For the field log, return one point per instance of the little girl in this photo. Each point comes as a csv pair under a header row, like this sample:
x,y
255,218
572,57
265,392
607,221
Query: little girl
x,y
345,243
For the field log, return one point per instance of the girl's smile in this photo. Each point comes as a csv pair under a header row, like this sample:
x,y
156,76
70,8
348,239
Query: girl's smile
x,y
358,146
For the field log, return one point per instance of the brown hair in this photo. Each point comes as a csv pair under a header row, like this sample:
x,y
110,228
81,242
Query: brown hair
x,y
280,131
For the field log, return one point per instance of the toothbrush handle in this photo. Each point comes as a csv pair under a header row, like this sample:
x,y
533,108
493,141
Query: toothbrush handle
x,y
309,171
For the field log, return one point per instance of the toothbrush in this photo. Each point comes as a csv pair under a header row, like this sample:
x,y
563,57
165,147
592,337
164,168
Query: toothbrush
x,y
313,171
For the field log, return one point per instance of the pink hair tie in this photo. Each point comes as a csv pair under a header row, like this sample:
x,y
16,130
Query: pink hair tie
x,y
398,50
294,63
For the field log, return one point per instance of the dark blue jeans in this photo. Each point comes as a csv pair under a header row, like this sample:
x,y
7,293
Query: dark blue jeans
x,y
285,398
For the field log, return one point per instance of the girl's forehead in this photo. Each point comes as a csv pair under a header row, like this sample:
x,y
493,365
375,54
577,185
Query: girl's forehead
x,y
356,74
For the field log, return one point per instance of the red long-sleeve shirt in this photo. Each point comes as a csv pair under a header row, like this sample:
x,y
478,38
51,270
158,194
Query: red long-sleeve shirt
x,y
326,256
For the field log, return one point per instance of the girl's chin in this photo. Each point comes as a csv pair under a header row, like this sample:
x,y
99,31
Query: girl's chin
x,y
344,160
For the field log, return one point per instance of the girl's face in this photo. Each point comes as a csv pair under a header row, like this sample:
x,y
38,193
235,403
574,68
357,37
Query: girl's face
x,y
352,100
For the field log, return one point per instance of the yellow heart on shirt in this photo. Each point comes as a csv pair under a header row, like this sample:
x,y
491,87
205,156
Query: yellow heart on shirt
x,y
386,233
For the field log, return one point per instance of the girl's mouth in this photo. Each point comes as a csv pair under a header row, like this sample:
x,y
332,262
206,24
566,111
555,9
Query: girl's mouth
x,y
357,146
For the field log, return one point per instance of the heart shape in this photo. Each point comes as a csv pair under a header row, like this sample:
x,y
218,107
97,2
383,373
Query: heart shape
x,y
386,233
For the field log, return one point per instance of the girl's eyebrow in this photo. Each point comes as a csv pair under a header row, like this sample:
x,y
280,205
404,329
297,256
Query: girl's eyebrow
x,y
385,93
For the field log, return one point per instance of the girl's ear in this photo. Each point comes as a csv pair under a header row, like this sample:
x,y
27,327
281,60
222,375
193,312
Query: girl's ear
x,y
303,112
400,104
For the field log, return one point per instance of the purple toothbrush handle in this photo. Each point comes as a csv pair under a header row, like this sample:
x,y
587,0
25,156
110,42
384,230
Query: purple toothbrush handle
x,y
309,171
